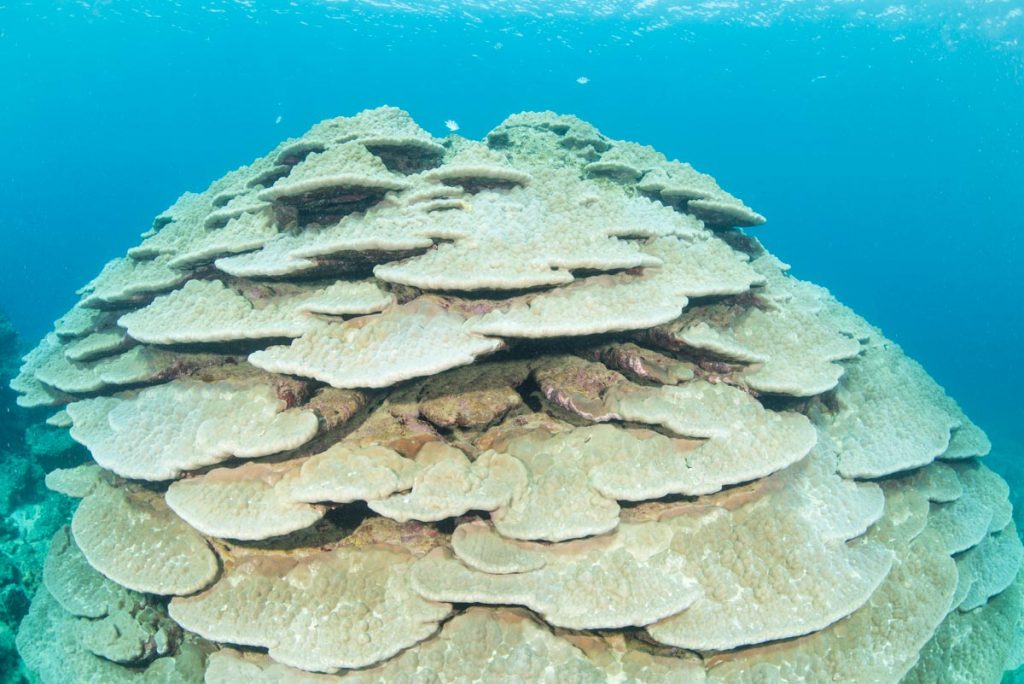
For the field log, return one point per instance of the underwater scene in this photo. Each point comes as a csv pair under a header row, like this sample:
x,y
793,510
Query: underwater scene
x,y
511,341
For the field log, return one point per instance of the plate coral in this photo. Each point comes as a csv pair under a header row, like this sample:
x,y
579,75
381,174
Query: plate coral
x,y
386,407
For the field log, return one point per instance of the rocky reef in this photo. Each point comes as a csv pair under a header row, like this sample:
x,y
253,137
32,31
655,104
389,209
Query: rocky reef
x,y
29,513
385,407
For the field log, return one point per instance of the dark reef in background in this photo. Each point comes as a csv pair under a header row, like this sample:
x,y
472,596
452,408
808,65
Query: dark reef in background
x,y
29,513
10,428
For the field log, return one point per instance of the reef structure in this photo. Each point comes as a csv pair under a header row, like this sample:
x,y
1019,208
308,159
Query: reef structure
x,y
385,407
29,512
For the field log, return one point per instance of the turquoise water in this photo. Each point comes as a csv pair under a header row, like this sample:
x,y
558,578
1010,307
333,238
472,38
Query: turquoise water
x,y
883,142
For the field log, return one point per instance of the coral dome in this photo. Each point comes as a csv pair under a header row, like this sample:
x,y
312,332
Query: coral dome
x,y
385,407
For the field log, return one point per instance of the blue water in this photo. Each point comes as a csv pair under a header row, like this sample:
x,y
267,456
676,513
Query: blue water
x,y
885,145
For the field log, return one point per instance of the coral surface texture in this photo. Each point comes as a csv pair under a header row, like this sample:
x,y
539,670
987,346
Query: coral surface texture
x,y
386,407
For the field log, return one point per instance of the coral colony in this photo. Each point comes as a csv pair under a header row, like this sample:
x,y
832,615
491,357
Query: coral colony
x,y
385,407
